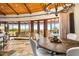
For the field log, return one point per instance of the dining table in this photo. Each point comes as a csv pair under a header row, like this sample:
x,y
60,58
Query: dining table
x,y
60,47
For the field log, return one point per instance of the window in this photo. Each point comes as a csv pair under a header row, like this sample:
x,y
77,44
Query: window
x,y
24,27
35,26
53,25
13,28
41,27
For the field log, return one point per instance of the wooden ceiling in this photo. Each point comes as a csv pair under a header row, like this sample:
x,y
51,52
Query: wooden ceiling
x,y
22,8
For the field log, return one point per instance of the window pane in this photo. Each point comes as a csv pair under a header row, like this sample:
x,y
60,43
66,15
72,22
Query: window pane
x,y
48,26
24,27
42,28
35,26
13,28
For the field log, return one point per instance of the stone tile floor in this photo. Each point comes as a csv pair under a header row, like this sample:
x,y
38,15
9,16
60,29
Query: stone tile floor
x,y
18,48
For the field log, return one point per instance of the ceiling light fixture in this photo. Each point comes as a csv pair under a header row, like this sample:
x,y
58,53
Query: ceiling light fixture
x,y
57,7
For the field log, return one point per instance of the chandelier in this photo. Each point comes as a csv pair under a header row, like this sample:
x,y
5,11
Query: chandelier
x,y
56,8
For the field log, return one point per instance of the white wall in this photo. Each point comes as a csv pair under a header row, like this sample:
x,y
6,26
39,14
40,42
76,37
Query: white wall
x,y
64,24
76,13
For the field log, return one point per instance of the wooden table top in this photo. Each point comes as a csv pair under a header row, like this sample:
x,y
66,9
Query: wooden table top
x,y
58,47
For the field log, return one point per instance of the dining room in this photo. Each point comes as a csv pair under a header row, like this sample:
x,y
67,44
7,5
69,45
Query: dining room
x,y
39,29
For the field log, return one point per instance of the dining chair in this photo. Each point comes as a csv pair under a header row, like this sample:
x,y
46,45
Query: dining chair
x,y
38,51
37,37
72,36
33,45
74,51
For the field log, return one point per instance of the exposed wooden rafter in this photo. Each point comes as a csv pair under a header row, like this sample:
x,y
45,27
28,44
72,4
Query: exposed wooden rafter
x,y
12,9
27,8
2,12
43,6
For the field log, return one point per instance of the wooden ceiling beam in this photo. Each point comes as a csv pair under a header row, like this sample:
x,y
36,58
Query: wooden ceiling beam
x,y
27,8
2,13
43,6
12,9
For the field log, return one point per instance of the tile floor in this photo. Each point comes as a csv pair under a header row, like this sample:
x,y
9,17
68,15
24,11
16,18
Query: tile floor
x,y
18,48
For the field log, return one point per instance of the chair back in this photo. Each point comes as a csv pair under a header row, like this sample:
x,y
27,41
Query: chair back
x,y
71,36
33,45
37,36
73,51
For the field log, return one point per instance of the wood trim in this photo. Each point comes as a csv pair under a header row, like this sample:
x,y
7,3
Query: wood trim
x,y
6,28
38,27
32,27
19,27
45,28
12,9
2,13
43,7
27,8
